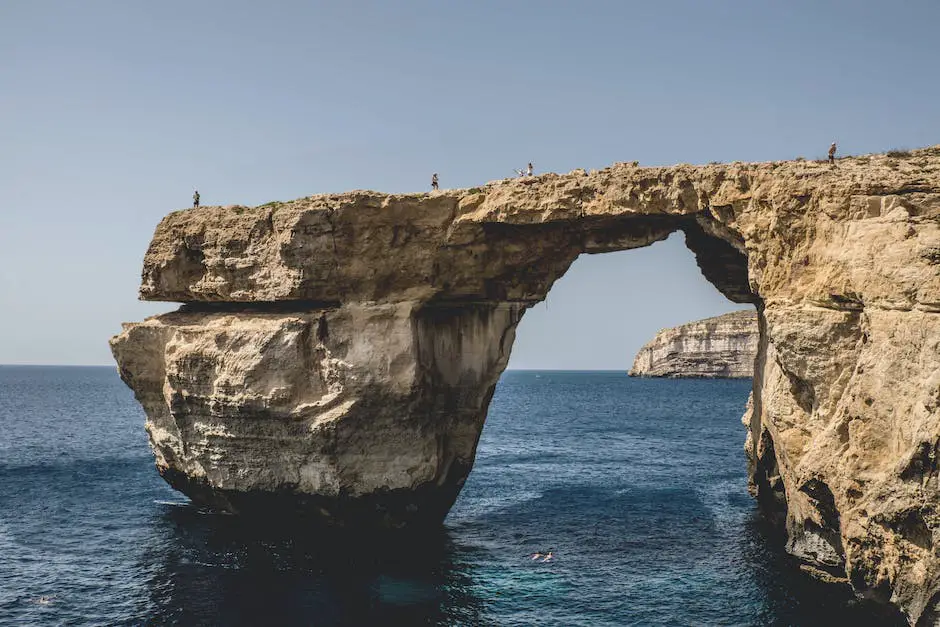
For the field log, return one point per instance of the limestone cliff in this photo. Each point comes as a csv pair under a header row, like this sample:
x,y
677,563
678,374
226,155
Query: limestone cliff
x,y
336,354
719,347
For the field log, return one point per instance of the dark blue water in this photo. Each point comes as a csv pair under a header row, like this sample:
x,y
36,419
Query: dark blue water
x,y
638,485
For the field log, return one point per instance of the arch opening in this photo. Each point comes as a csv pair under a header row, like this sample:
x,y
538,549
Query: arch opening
x,y
644,477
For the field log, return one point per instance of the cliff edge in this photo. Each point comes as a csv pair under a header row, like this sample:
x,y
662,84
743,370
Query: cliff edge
x,y
714,348
335,355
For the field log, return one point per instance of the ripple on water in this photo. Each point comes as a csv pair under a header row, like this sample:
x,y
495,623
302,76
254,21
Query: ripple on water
x,y
638,486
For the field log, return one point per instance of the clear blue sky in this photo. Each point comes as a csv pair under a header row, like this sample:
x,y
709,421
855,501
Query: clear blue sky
x,y
111,112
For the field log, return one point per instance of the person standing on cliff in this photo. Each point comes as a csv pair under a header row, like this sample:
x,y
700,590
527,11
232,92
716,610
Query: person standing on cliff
x,y
196,199
832,154
434,181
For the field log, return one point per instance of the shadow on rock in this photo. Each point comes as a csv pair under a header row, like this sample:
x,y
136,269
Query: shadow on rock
x,y
790,595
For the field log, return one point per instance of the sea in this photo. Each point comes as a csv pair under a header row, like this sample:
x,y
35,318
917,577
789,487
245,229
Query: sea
x,y
638,487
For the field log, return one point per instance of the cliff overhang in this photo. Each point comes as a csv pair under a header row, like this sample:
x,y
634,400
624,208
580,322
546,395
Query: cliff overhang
x,y
339,352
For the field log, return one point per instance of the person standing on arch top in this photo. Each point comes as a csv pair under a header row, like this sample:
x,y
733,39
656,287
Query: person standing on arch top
x,y
832,154
196,199
434,181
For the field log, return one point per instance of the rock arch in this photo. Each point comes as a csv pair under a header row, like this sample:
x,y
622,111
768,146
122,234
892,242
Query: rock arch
x,y
335,356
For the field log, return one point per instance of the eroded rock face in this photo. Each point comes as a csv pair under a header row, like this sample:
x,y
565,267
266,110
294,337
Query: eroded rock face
x,y
719,347
354,414
338,353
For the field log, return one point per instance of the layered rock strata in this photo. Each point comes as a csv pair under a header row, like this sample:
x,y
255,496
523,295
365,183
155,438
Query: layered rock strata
x,y
719,347
336,354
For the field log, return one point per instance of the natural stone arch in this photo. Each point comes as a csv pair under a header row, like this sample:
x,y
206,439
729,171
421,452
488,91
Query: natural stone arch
x,y
336,354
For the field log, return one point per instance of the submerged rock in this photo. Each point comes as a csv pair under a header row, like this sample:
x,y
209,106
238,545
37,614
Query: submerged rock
x,y
336,354
719,347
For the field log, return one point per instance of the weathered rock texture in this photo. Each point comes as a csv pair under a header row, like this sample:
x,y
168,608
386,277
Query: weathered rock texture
x,y
719,347
338,352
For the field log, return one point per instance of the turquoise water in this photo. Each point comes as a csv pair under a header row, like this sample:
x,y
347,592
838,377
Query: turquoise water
x,y
639,486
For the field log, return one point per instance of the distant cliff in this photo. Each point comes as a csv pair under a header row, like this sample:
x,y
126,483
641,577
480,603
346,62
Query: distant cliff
x,y
723,347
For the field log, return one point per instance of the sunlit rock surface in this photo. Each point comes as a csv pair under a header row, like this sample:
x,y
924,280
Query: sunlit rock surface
x,y
719,347
337,353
